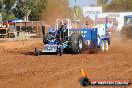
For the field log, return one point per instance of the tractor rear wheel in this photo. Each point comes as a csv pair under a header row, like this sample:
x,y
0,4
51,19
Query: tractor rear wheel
x,y
76,43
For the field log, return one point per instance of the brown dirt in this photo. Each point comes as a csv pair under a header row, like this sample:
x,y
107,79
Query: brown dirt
x,y
19,68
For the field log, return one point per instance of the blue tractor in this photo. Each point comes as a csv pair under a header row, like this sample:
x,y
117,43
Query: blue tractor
x,y
65,38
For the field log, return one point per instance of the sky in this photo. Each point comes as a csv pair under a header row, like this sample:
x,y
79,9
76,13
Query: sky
x,y
82,3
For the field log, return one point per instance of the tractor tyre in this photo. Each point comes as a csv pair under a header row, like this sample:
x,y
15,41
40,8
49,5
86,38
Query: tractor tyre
x,y
76,43
37,52
12,36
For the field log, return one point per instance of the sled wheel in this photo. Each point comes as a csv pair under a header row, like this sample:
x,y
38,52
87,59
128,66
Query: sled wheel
x,y
37,52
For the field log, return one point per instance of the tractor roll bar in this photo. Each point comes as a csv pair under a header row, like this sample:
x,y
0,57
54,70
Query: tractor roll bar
x,y
63,20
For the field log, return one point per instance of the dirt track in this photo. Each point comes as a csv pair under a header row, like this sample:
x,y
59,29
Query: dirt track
x,y
19,68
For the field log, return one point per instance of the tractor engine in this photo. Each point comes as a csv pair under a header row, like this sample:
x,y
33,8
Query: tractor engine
x,y
50,38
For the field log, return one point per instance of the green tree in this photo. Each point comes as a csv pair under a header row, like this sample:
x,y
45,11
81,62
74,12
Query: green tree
x,y
1,2
37,10
6,8
31,8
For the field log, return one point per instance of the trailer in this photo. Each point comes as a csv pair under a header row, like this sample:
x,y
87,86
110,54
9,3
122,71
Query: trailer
x,y
65,37
7,29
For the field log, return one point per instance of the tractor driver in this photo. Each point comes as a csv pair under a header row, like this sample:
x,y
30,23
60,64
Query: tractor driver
x,y
65,29
60,28
62,31
65,32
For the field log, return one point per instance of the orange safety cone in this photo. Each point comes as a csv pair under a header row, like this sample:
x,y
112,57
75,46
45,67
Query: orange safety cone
x,y
84,81
84,74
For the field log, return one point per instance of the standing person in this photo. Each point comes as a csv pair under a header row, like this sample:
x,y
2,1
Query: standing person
x,y
87,24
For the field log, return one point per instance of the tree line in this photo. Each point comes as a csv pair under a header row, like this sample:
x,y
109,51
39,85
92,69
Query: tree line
x,y
11,9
